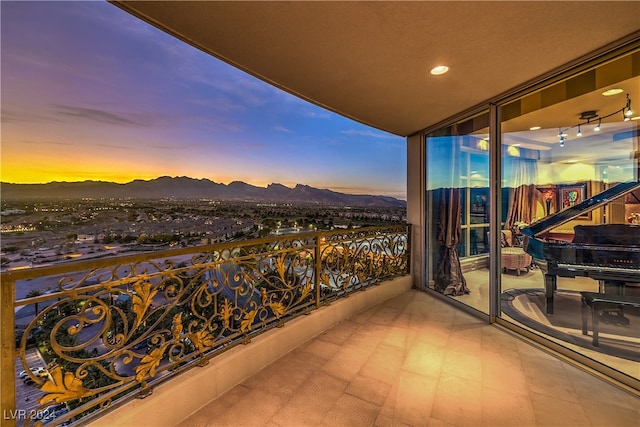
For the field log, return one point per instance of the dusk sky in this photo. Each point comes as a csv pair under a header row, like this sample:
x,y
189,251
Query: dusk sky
x,y
91,93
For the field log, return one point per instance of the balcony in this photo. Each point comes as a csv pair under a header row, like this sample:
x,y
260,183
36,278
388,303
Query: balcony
x,y
110,330
387,355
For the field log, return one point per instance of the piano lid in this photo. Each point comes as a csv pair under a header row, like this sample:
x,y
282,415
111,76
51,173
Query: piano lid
x,y
566,215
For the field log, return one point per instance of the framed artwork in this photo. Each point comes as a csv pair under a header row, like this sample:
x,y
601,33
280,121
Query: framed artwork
x,y
549,196
570,195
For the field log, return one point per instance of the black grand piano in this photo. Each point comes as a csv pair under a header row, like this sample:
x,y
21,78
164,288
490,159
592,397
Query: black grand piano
x,y
609,253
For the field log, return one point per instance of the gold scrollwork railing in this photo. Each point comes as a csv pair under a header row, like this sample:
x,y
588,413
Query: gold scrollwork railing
x,y
110,329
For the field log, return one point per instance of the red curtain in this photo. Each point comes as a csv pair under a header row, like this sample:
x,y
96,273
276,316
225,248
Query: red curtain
x,y
522,205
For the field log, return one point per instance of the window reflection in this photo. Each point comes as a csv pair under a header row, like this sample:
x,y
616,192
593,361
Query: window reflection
x,y
458,196
552,178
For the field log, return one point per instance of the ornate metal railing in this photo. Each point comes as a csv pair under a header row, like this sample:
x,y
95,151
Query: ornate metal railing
x,y
110,329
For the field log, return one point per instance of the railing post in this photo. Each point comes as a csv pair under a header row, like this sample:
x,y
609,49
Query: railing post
x,y
8,354
408,230
316,268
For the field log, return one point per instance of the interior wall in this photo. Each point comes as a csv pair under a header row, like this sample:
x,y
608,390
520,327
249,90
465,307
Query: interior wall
x,y
550,173
569,172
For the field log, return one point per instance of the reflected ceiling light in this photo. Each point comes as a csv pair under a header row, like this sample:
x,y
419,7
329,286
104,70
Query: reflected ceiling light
x,y
579,131
611,92
482,145
514,151
440,69
628,113
597,128
535,128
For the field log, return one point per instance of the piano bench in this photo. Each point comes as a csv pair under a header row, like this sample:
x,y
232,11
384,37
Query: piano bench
x,y
598,302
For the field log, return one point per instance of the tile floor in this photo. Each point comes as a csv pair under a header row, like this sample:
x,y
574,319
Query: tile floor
x,y
417,361
478,283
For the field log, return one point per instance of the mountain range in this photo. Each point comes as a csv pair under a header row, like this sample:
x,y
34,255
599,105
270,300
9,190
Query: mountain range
x,y
190,188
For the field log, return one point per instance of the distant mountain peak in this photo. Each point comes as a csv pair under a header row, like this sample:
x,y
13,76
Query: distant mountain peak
x,y
190,188
276,185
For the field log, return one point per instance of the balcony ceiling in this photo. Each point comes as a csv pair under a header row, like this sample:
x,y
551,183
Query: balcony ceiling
x,y
370,61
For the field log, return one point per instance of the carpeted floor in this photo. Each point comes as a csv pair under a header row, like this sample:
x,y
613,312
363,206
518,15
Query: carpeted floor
x,y
527,306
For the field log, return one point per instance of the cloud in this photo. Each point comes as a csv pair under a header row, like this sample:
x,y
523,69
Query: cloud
x,y
92,114
45,142
215,102
282,129
368,134
11,117
172,147
253,145
117,147
314,112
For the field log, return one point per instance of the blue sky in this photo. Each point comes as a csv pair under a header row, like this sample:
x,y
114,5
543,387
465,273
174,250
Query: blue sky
x,y
90,92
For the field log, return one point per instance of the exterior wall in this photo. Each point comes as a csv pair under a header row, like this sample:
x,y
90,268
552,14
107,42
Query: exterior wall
x,y
415,207
176,399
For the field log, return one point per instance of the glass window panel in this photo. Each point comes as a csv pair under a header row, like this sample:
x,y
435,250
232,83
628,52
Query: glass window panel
x,y
458,199
554,157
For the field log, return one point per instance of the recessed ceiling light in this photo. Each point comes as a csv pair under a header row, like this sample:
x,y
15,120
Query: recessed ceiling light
x,y
535,128
516,145
440,69
611,92
635,118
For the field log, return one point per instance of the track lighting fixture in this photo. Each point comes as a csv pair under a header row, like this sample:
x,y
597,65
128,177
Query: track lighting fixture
x,y
587,117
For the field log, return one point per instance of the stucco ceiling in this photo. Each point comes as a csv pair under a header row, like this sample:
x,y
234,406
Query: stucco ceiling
x,y
370,61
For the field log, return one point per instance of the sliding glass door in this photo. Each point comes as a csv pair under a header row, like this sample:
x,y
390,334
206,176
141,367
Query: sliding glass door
x,y
561,172
457,159
568,234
